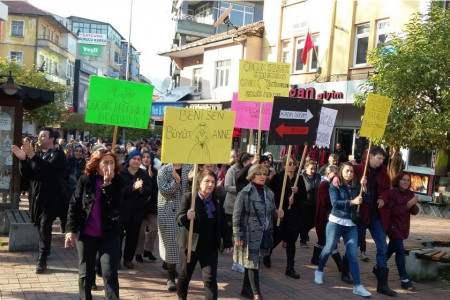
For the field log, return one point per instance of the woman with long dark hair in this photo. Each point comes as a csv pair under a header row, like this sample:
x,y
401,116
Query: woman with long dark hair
x,y
93,223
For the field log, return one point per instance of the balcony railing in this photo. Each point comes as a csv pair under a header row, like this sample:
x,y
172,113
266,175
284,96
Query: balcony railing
x,y
207,19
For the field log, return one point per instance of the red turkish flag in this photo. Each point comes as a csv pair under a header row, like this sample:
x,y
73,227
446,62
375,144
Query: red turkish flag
x,y
308,46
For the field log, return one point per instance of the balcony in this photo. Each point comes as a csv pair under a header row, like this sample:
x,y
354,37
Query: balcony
x,y
200,25
54,46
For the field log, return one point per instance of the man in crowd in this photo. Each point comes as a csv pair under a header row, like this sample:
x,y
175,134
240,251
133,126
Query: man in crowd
x,y
342,155
42,169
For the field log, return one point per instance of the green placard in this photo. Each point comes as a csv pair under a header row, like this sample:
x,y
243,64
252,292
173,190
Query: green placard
x,y
119,102
90,50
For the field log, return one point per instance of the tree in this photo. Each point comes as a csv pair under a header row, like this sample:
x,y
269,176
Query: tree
x,y
413,68
50,114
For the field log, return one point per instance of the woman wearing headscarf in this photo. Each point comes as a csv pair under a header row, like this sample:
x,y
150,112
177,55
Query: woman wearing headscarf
x,y
93,223
209,229
173,182
254,215
135,194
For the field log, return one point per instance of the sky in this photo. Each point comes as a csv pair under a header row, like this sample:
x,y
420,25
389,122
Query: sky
x,y
151,27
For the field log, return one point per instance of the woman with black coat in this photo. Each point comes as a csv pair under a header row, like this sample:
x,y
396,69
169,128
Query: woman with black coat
x,y
135,194
93,223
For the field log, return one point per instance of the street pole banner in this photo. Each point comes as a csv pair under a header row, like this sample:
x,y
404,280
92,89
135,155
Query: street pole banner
x,y
118,102
261,81
326,125
197,136
247,114
375,116
294,121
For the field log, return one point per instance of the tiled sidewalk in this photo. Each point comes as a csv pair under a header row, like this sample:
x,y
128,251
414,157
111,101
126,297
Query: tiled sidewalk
x,y
148,281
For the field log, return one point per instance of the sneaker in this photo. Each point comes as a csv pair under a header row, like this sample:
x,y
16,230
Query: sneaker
x,y
364,256
361,290
318,277
238,268
303,244
408,286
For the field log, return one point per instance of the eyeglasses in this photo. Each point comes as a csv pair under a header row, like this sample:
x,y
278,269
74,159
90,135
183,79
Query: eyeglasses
x,y
292,164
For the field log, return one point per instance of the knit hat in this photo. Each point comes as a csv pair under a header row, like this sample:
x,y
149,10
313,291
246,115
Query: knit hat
x,y
263,158
133,154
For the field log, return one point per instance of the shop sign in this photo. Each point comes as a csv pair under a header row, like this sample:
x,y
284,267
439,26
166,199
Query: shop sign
x,y
90,50
88,68
158,110
92,38
205,106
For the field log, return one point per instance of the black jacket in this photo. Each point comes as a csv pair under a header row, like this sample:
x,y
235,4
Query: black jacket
x,y
80,206
133,203
42,171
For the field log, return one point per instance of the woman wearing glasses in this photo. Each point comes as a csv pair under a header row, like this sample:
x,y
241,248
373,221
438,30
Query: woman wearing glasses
x,y
253,217
93,223
290,226
209,229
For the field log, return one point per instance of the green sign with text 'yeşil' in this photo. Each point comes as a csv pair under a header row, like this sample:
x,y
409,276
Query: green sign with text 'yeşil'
x,y
119,102
90,50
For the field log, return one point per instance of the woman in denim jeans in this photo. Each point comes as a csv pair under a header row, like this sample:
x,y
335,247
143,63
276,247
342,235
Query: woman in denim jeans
x,y
343,200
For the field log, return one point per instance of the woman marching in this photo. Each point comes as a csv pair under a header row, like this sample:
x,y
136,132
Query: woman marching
x,y
93,223
253,217
343,200
209,228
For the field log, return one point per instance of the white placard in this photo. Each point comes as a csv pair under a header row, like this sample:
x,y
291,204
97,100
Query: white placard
x,y
326,125
5,122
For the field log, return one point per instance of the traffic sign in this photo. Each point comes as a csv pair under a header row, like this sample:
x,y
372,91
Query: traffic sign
x,y
294,121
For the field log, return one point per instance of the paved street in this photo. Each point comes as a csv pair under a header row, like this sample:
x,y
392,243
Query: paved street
x,y
147,280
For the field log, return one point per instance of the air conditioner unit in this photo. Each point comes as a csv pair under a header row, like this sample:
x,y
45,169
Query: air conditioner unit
x,y
69,81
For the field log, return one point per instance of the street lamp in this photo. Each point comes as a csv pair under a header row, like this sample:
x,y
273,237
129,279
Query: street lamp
x,y
10,88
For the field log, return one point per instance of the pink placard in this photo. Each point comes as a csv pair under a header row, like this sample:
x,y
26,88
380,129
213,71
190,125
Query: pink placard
x,y
247,114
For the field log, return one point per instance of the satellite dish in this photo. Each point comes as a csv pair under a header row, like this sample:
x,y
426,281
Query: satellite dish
x,y
165,86
223,16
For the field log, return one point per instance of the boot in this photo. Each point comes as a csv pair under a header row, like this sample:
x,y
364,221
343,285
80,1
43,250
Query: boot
x,y
316,255
41,265
290,271
171,286
338,260
383,287
345,276
267,262
246,291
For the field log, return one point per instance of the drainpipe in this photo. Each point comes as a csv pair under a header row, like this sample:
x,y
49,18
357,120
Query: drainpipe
x,y
331,41
36,41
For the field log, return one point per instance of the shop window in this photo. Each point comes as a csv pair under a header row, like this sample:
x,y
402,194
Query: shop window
x,y
361,44
197,79
17,28
222,73
382,32
16,56
419,158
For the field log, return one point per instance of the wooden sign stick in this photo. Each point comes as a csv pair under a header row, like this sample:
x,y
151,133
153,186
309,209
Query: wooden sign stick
x,y
284,182
259,127
365,168
191,225
116,128
305,150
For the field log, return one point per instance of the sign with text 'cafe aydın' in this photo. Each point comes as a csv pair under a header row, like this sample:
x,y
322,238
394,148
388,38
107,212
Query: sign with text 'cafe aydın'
x,y
119,102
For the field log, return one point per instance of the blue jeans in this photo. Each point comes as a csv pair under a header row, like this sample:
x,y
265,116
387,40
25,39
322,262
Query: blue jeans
x,y
350,235
379,237
399,249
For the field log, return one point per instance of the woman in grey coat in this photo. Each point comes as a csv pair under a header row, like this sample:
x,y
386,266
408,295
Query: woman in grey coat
x,y
254,215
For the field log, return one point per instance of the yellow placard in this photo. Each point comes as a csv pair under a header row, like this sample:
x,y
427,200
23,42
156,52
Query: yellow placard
x,y
375,116
260,81
197,136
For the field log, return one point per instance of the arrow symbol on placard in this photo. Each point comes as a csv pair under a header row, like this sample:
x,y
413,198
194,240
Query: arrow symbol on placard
x,y
296,115
291,130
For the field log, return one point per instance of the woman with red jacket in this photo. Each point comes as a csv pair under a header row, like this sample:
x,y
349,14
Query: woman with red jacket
x,y
402,204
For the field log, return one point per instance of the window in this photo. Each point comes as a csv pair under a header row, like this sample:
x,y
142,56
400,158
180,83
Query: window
x,y
299,44
197,79
55,68
70,67
222,73
313,63
17,28
240,15
382,32
286,51
43,31
16,56
56,39
41,62
361,44
117,58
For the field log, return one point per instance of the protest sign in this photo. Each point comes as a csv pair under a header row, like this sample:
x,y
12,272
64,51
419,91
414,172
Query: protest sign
x,y
294,121
261,81
118,102
375,116
247,113
326,125
197,136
